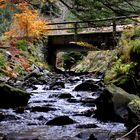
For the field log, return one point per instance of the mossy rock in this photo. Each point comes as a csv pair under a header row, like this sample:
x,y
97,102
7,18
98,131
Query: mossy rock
x,y
113,103
134,106
12,97
119,96
126,82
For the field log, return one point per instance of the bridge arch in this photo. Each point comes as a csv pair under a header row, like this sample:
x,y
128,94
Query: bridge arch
x,y
101,40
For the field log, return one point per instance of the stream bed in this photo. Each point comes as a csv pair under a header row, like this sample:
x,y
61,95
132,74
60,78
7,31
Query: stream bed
x,y
74,112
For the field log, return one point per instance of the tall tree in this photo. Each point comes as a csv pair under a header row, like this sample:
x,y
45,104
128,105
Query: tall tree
x,y
96,9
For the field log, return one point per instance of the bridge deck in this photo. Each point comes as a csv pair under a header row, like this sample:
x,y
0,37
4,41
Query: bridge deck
x,y
63,41
119,28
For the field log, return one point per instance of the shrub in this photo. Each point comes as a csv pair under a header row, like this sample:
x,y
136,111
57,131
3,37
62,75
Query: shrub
x,y
22,45
127,64
69,59
2,59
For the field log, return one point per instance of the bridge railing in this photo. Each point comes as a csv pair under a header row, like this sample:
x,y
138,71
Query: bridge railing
x,y
76,26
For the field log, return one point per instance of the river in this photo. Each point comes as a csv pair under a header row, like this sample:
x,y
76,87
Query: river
x,y
45,105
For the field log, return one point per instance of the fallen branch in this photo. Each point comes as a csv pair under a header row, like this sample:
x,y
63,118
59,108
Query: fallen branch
x,y
129,132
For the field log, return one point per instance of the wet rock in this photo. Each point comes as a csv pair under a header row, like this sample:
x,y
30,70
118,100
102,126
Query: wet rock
x,y
128,83
41,118
94,134
61,120
88,100
46,87
87,126
46,72
18,84
31,82
53,96
7,117
36,77
73,100
88,85
65,95
12,97
42,109
36,73
134,106
34,87
4,78
57,85
67,138
43,79
97,94
91,137
74,79
114,103
20,109
1,116
87,113
14,136
1,136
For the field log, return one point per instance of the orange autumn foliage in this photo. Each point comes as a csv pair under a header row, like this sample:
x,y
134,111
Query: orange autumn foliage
x,y
22,6
27,24
9,72
3,3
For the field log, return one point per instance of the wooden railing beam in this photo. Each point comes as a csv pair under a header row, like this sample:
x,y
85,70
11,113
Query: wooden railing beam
x,y
94,25
98,20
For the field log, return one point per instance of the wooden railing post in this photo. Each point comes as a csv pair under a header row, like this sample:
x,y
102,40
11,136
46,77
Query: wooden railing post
x,y
75,31
114,25
114,31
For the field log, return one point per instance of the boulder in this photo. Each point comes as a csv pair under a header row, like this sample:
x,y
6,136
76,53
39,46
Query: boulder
x,y
88,85
128,83
134,107
57,85
12,97
115,103
65,96
42,109
61,120
92,125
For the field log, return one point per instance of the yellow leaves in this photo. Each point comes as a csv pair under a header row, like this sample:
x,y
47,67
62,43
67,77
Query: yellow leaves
x,y
22,6
84,44
2,4
28,24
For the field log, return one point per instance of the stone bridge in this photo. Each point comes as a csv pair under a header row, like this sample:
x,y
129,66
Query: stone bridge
x,y
103,37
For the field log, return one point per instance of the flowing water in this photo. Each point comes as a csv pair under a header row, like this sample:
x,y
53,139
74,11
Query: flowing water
x,y
32,124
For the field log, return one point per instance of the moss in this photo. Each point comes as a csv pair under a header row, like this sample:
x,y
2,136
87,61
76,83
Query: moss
x,y
134,106
12,97
2,59
121,80
119,96
118,72
71,58
22,45
19,70
126,66
96,61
